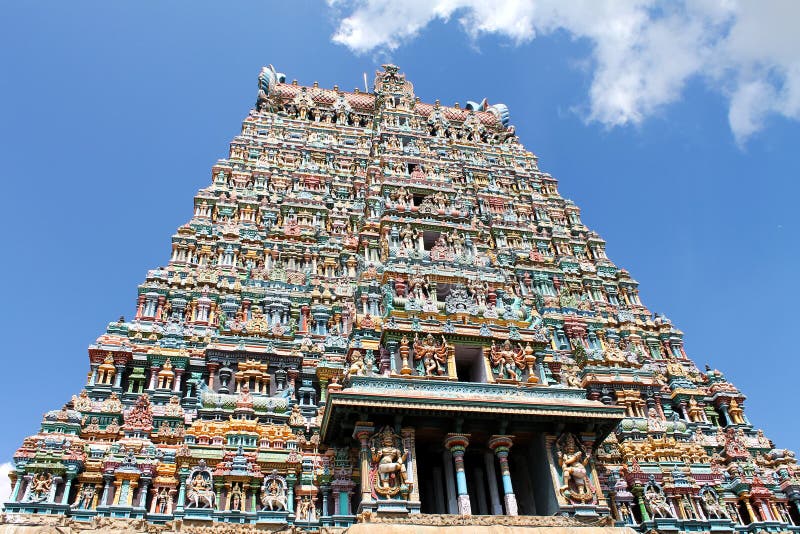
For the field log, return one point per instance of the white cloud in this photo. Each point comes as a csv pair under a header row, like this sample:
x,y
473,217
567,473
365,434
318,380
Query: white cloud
x,y
643,52
5,482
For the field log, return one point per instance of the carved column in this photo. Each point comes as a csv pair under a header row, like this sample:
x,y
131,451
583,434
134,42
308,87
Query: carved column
x,y
450,482
501,445
182,492
106,488
326,491
457,444
17,485
118,378
176,384
291,479
67,488
362,433
638,491
491,479
409,446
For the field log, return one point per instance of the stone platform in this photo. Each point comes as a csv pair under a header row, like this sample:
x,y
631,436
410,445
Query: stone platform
x,y
417,524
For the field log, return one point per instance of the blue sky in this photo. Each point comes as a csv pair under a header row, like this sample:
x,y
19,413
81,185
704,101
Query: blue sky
x,y
681,152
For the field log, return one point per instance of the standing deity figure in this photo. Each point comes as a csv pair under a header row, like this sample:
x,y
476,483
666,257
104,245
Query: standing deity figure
x,y
418,287
163,500
575,483
389,464
40,487
236,502
85,498
408,237
507,362
306,509
432,357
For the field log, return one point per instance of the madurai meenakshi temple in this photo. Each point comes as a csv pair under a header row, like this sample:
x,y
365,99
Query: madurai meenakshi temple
x,y
381,313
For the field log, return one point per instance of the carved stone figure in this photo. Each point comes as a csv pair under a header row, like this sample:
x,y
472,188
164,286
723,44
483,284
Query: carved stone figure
x,y
85,497
575,484
273,493
389,464
431,358
656,502
199,490
507,362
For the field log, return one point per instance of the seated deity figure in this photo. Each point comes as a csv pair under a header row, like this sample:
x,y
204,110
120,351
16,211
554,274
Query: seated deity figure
x,y
273,496
432,357
656,503
390,464
712,506
199,492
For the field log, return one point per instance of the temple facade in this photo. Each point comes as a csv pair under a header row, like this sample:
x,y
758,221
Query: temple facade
x,y
383,310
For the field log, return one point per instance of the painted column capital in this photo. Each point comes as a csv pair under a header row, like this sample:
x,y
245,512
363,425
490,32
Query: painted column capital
x,y
456,443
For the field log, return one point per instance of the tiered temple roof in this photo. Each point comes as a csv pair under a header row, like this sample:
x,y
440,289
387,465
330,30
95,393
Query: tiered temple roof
x,y
382,309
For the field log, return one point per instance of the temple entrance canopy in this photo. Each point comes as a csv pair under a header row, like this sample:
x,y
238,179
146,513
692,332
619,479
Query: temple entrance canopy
x,y
459,437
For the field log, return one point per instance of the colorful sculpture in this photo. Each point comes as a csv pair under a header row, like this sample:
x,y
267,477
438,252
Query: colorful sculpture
x,y
383,309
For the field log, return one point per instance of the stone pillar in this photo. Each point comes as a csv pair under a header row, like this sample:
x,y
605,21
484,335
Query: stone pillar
x,y
638,491
212,369
391,346
750,512
93,377
450,482
491,479
409,446
67,488
106,488
144,484
154,369
457,444
17,485
362,433
326,492
323,391
501,445
176,384
290,481
182,492
118,377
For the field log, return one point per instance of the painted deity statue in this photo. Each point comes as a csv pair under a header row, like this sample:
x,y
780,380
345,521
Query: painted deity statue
x,y
389,465
656,502
40,486
506,361
85,498
273,495
200,494
712,506
432,357
575,483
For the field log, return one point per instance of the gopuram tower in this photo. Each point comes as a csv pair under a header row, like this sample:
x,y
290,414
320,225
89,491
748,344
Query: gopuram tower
x,y
382,312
